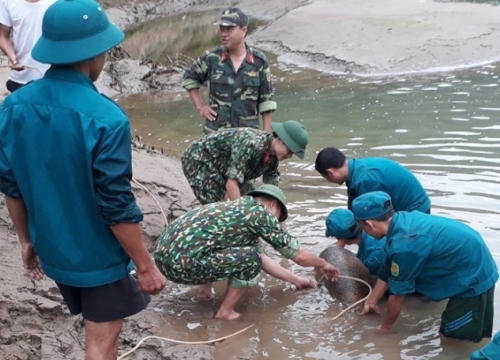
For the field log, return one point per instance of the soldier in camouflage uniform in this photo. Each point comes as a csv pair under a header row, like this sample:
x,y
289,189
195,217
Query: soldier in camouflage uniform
x,y
220,241
239,76
224,162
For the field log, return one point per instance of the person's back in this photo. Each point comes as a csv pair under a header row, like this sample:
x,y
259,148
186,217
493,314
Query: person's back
x,y
381,174
65,170
22,19
446,257
74,117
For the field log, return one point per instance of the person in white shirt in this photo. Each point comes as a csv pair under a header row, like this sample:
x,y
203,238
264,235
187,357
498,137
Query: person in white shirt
x,y
23,20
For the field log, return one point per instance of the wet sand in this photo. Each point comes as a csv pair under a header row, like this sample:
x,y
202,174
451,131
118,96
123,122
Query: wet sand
x,y
384,37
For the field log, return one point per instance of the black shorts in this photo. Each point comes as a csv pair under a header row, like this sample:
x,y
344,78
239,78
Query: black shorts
x,y
104,303
12,85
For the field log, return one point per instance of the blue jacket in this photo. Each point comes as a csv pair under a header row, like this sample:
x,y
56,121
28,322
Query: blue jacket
x,y
438,257
371,252
381,174
65,150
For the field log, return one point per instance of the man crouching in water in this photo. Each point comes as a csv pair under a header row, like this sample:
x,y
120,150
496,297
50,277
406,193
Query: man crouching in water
x,y
219,241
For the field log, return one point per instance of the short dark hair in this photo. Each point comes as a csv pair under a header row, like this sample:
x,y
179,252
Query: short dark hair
x,y
328,158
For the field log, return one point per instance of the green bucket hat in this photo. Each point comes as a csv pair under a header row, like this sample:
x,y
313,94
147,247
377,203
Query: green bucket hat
x,y
294,135
73,31
276,193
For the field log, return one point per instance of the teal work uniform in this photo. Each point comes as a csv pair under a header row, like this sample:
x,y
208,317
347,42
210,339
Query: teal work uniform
x,y
371,252
438,257
66,151
220,241
380,174
240,95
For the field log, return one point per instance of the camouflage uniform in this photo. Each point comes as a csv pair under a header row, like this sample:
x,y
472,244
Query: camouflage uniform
x,y
240,95
240,154
220,241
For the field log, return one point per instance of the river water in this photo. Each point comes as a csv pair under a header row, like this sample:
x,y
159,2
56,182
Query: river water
x,y
443,127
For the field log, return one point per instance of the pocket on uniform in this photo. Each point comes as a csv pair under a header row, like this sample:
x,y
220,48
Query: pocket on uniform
x,y
251,81
220,87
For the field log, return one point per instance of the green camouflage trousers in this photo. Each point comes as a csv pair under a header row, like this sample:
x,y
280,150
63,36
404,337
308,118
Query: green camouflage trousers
x,y
241,265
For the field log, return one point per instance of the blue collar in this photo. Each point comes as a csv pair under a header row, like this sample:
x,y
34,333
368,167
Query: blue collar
x,y
69,73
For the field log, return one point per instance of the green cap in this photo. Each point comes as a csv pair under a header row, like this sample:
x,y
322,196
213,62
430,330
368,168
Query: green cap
x,y
73,31
275,192
294,135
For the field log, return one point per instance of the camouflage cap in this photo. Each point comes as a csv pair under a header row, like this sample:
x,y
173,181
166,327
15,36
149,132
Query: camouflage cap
x,y
233,17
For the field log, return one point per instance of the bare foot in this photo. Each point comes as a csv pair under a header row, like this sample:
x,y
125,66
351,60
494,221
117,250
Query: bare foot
x,y
227,315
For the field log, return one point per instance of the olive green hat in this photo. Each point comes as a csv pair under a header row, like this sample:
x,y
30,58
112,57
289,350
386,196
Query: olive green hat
x,y
294,135
276,193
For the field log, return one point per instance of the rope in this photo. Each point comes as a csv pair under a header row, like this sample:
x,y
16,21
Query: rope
x,y
24,66
357,302
154,198
182,342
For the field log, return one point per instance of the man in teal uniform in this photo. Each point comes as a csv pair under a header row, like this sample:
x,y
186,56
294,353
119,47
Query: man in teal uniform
x,y
220,241
341,224
65,170
222,164
239,76
363,175
439,258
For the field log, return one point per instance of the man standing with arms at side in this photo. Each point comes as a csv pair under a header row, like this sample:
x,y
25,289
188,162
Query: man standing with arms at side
x,y
23,20
239,76
65,170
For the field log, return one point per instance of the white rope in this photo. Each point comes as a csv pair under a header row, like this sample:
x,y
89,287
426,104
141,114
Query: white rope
x,y
357,302
154,198
123,356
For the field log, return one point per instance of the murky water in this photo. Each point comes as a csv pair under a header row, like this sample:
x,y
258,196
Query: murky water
x,y
443,127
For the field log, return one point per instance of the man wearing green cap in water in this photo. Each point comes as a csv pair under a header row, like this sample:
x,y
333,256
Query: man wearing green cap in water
x,y
221,164
220,241
65,168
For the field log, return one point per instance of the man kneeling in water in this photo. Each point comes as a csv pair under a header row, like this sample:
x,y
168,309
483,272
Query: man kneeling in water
x,y
219,241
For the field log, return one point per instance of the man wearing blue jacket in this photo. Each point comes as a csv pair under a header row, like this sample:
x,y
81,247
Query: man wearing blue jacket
x,y
65,170
438,257
362,175
341,224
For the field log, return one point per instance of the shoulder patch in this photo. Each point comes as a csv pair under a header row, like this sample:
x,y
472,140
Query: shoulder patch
x,y
394,269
